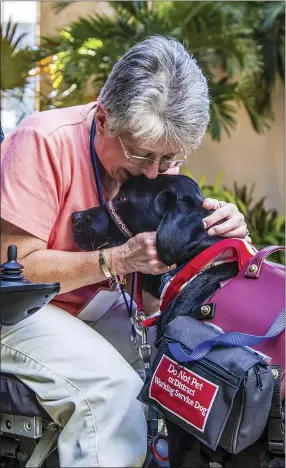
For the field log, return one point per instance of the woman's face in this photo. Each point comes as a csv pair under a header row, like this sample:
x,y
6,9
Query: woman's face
x,y
112,152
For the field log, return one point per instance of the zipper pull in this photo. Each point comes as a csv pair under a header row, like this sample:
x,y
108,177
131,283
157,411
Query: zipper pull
x,y
258,377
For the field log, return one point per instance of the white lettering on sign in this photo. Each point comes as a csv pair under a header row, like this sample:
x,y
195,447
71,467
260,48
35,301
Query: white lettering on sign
x,y
183,392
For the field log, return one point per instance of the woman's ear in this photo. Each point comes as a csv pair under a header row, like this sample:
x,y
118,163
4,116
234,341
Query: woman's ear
x,y
165,201
101,118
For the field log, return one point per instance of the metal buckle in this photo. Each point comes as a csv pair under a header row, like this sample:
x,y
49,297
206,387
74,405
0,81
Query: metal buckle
x,y
27,426
136,320
145,352
139,316
145,349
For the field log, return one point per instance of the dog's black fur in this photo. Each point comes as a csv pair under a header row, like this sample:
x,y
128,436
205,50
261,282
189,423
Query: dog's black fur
x,y
172,206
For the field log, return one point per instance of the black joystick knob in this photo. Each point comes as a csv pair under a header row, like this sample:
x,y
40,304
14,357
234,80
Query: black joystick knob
x,y
11,271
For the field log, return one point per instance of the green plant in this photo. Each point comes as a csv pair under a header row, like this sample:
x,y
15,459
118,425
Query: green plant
x,y
265,225
230,40
15,62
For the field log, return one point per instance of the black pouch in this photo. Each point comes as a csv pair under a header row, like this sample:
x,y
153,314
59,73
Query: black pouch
x,y
223,399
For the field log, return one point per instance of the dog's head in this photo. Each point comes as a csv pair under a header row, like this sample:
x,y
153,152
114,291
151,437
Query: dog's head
x,y
169,204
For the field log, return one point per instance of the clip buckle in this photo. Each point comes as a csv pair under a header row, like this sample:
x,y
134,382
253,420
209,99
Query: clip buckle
x,y
145,352
139,317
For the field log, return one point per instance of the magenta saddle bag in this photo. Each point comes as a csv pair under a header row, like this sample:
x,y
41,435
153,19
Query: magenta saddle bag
x,y
251,301
221,378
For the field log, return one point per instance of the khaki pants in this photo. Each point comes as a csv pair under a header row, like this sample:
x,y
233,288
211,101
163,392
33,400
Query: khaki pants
x,y
83,382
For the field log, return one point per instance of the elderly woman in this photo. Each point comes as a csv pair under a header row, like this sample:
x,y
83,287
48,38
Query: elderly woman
x,y
152,111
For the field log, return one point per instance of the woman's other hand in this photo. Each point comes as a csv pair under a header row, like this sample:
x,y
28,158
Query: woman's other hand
x,y
233,224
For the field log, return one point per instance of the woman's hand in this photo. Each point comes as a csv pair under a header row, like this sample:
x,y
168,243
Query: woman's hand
x,y
234,224
137,254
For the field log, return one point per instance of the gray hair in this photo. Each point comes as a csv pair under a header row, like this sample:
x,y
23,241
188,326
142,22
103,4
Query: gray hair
x,y
157,90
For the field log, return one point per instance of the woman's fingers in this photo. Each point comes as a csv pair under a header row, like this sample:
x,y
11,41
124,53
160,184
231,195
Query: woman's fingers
x,y
140,254
226,220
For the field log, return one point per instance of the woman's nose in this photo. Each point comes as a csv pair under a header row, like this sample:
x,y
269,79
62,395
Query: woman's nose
x,y
151,171
76,216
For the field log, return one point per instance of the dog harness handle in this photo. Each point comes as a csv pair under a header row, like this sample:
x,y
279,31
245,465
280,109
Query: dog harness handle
x,y
258,260
243,253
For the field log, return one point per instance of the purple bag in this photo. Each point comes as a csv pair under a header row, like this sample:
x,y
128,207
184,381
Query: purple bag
x,y
213,384
250,302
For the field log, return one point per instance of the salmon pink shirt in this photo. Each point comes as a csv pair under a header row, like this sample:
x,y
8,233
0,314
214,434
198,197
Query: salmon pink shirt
x,y
46,175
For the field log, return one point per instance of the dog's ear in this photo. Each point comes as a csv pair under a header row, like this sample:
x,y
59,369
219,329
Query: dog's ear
x,y
165,201
176,233
193,203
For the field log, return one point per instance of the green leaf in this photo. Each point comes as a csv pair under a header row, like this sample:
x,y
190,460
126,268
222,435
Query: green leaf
x,y
15,63
58,7
265,225
218,181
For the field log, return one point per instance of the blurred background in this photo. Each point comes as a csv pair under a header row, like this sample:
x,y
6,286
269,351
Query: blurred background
x,y
58,54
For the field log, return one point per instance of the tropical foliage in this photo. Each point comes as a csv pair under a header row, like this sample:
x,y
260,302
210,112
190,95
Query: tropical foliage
x,y
16,62
239,46
266,227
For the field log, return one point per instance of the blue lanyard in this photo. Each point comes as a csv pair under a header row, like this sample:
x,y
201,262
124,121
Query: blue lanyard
x,y
94,160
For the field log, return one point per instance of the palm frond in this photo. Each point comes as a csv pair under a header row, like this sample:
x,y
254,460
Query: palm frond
x,y
9,34
58,7
270,36
272,11
15,62
132,7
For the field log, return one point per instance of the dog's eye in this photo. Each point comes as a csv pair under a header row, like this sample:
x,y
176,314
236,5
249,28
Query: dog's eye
x,y
122,197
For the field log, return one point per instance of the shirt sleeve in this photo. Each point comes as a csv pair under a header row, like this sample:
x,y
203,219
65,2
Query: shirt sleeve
x,y
31,181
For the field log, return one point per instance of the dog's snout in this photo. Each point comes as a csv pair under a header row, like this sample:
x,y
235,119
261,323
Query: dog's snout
x,y
76,216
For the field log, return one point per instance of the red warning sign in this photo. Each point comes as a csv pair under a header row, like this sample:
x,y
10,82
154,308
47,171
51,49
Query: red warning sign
x,y
182,392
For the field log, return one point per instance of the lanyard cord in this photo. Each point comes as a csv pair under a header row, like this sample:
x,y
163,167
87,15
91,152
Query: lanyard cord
x,y
144,347
94,160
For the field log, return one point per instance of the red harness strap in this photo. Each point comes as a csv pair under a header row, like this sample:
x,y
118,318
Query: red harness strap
x,y
149,322
243,252
139,299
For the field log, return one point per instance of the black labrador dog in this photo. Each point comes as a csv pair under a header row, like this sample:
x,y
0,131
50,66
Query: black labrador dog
x,y
172,206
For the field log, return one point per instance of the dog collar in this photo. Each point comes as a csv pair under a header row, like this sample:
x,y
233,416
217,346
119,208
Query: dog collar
x,y
118,220
224,251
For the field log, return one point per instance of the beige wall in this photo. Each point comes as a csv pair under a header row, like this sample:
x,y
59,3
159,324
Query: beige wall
x,y
245,157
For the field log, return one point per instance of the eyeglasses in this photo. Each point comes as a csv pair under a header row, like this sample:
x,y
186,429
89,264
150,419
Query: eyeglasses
x,y
165,163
